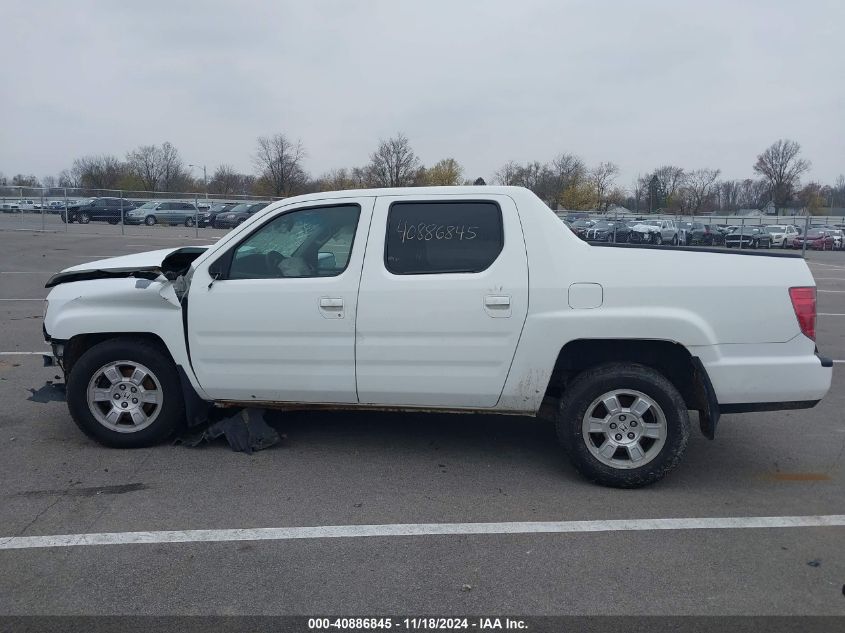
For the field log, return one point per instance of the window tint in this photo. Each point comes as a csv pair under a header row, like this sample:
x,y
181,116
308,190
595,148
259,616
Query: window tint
x,y
313,242
442,237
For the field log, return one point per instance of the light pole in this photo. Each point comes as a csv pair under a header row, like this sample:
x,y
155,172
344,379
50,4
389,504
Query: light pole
x,y
204,179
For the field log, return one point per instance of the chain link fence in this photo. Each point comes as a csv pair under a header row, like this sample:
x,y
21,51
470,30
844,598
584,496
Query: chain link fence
x,y
192,214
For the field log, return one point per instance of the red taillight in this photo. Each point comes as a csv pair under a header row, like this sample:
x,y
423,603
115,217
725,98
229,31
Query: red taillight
x,y
804,304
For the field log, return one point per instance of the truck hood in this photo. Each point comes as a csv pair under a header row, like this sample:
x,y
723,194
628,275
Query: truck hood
x,y
169,262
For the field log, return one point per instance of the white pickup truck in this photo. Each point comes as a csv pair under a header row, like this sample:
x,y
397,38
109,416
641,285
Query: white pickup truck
x,y
457,299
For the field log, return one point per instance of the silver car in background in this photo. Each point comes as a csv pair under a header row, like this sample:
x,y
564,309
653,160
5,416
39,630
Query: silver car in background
x,y
163,212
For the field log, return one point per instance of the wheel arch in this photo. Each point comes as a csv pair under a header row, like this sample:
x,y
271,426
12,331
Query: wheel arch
x,y
672,359
78,344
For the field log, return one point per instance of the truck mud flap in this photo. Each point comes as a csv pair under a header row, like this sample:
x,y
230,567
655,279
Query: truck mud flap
x,y
709,413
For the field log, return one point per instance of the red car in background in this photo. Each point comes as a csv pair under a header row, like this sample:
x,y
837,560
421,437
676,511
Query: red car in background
x,y
818,239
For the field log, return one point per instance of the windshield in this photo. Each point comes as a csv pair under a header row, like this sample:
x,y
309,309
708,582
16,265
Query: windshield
x,y
147,205
815,234
775,229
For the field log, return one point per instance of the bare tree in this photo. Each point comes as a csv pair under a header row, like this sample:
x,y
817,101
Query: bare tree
x,y
780,166
225,180
603,176
394,163
698,187
670,180
279,161
157,168
507,174
98,172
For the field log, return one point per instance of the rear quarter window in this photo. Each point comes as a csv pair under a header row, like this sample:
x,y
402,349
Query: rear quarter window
x,y
442,237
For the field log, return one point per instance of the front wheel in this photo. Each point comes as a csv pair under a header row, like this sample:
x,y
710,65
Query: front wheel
x,y
150,220
623,425
83,218
125,394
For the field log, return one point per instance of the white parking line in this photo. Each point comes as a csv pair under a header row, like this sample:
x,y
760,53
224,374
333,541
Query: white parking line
x,y
811,263
831,314
25,272
23,353
416,529
832,291
21,299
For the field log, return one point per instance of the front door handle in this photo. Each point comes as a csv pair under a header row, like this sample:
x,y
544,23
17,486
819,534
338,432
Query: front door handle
x,y
331,307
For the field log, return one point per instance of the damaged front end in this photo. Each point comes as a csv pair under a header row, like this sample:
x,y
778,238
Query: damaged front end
x,y
172,263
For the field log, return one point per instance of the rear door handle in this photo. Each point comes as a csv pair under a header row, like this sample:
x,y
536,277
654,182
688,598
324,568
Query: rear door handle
x,y
326,302
497,301
497,306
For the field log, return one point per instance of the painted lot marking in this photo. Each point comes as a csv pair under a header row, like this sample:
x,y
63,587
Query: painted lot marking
x,y
831,314
832,291
21,299
416,529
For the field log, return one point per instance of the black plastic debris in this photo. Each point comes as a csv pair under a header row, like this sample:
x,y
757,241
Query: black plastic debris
x,y
49,392
246,431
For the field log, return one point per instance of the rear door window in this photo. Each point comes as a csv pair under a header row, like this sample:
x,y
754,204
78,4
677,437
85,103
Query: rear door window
x,y
442,237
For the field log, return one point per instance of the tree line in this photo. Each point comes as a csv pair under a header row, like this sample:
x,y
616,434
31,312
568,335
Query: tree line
x,y
564,182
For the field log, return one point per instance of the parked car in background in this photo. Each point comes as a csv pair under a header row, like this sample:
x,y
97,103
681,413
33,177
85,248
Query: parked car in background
x,y
571,217
26,205
698,233
608,231
55,206
579,227
214,210
782,234
238,214
10,207
100,209
163,212
837,238
748,237
817,239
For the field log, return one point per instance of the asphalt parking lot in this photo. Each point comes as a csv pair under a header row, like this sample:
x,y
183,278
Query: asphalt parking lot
x,y
338,469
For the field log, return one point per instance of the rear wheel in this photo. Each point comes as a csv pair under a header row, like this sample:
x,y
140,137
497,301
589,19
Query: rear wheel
x,y
623,425
126,394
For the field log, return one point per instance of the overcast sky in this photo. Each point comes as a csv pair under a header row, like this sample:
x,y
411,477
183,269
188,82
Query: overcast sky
x,y
697,84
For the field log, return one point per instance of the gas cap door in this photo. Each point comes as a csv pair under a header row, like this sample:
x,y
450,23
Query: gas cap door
x,y
585,296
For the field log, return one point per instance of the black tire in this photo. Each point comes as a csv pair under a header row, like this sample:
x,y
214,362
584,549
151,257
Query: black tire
x,y
113,221
171,416
150,220
593,383
83,218
189,222
675,240
658,239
